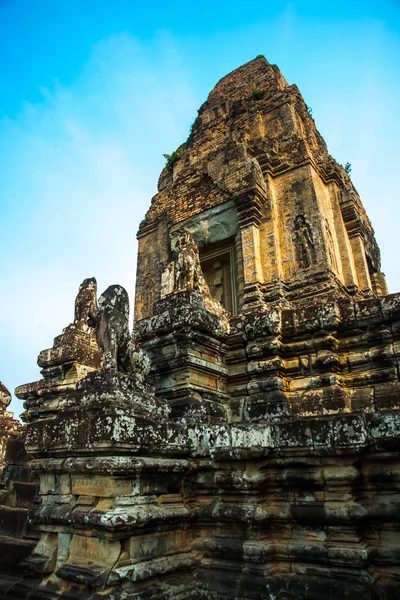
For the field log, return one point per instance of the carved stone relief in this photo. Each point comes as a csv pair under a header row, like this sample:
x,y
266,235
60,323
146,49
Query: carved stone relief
x,y
331,248
303,242
187,270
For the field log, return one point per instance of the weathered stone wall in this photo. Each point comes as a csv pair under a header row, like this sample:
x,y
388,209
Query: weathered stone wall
x,y
17,493
228,482
17,537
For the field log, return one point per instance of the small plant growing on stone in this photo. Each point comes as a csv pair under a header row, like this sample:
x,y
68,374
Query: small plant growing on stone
x,y
173,158
347,168
258,94
189,138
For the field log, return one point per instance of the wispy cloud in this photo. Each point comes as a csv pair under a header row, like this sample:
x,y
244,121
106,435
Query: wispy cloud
x,y
78,172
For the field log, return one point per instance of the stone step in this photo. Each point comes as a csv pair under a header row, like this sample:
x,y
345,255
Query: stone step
x,y
7,582
20,473
24,493
13,521
12,551
15,588
19,494
15,451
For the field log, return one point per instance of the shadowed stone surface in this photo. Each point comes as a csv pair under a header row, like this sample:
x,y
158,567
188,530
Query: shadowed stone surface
x,y
244,443
8,425
18,490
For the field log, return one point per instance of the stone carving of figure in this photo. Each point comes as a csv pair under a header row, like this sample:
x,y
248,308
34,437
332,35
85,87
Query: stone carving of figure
x,y
188,273
86,303
112,329
5,397
304,243
121,354
140,362
331,247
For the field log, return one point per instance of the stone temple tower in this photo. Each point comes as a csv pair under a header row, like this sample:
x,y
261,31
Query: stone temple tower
x,y
280,234
275,218
243,443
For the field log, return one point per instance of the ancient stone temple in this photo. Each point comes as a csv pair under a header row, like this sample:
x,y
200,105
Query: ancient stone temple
x,y
243,443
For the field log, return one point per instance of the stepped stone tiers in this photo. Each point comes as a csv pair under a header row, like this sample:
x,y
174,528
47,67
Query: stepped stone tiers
x,y
244,443
17,491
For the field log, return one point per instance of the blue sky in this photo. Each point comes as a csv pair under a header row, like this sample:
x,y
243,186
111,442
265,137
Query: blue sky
x,y
95,91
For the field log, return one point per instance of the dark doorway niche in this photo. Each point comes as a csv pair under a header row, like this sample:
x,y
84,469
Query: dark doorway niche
x,y
219,268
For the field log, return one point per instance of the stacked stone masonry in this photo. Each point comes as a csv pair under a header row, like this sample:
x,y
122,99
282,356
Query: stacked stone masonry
x,y
243,443
17,492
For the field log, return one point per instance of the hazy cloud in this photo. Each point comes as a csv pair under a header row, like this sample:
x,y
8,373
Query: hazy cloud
x,y
86,160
